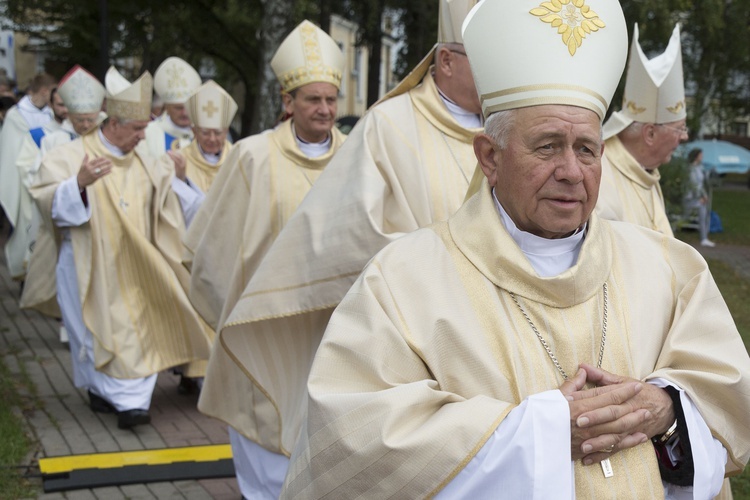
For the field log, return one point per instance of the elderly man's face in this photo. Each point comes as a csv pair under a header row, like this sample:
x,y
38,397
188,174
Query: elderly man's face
x,y
210,140
178,114
83,122
668,137
547,178
126,136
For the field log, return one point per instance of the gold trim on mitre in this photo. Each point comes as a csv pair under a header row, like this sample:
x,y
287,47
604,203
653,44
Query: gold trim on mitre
x,y
655,88
307,55
81,92
175,80
451,17
501,35
128,101
211,107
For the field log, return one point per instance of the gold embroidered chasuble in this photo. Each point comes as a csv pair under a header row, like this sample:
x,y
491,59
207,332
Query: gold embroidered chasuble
x,y
127,259
427,354
198,170
630,193
262,181
406,165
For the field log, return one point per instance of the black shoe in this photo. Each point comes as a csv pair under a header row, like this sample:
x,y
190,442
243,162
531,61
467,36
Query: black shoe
x,y
99,404
130,418
188,385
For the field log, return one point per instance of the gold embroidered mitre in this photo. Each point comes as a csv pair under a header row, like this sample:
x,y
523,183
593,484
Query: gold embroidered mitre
x,y
211,107
654,88
558,52
175,80
307,55
81,91
128,101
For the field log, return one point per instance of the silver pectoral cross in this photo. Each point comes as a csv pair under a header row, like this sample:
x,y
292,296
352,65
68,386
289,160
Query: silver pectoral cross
x,y
123,204
607,468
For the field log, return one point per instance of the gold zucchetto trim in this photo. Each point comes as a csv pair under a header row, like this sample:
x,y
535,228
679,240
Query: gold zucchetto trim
x,y
572,18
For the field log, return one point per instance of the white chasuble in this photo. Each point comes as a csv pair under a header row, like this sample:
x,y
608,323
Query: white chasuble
x,y
127,261
630,193
428,353
405,165
198,170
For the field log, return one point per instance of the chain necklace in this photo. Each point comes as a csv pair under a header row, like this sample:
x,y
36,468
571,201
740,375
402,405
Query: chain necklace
x,y
458,164
606,464
544,342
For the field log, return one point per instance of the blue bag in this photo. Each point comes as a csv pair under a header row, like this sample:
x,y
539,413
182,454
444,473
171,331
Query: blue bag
x,y
714,225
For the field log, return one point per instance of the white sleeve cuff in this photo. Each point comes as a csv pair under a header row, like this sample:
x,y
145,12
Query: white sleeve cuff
x,y
190,196
67,205
709,455
528,455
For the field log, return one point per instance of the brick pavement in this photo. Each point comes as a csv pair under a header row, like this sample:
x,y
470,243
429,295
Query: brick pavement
x,y
63,424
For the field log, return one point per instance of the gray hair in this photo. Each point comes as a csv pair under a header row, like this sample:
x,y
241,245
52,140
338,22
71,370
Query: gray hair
x,y
498,126
632,131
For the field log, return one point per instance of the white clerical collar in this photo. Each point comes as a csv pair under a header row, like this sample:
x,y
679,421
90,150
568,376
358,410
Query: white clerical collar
x,y
466,119
211,158
34,116
110,147
312,149
548,257
186,131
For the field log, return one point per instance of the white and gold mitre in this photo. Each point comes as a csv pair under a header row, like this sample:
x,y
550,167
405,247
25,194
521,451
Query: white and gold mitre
x,y
175,80
307,55
451,15
81,91
128,101
526,53
211,107
654,88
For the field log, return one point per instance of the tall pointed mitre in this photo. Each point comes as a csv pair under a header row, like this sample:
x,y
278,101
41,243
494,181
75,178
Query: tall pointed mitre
x,y
451,15
81,91
211,107
128,101
654,88
307,55
558,52
175,80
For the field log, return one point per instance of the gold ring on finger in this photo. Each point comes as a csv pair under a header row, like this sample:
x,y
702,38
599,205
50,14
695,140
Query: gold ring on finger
x,y
608,450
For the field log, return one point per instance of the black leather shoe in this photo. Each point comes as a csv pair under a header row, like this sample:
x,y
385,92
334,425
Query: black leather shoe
x,y
99,404
188,386
130,418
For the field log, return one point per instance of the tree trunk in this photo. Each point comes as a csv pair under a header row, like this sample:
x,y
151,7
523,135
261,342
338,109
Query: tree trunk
x,y
375,56
267,98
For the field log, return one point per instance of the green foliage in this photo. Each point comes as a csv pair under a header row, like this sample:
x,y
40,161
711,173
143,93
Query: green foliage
x,y
675,181
14,444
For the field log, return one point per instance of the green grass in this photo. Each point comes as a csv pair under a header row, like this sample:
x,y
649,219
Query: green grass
x,y
14,444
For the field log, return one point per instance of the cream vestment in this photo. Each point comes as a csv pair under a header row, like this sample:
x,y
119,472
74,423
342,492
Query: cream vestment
x,y
428,354
630,193
406,165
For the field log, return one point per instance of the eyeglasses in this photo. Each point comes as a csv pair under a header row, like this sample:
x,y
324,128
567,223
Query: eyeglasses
x,y
681,130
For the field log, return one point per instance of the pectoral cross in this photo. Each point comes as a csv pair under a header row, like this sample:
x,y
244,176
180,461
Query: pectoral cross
x,y
123,204
607,468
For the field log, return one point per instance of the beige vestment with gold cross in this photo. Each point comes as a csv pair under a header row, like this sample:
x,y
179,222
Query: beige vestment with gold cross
x,y
427,354
630,193
406,165
131,281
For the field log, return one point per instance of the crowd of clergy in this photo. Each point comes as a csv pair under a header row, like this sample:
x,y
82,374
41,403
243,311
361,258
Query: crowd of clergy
x,y
475,294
